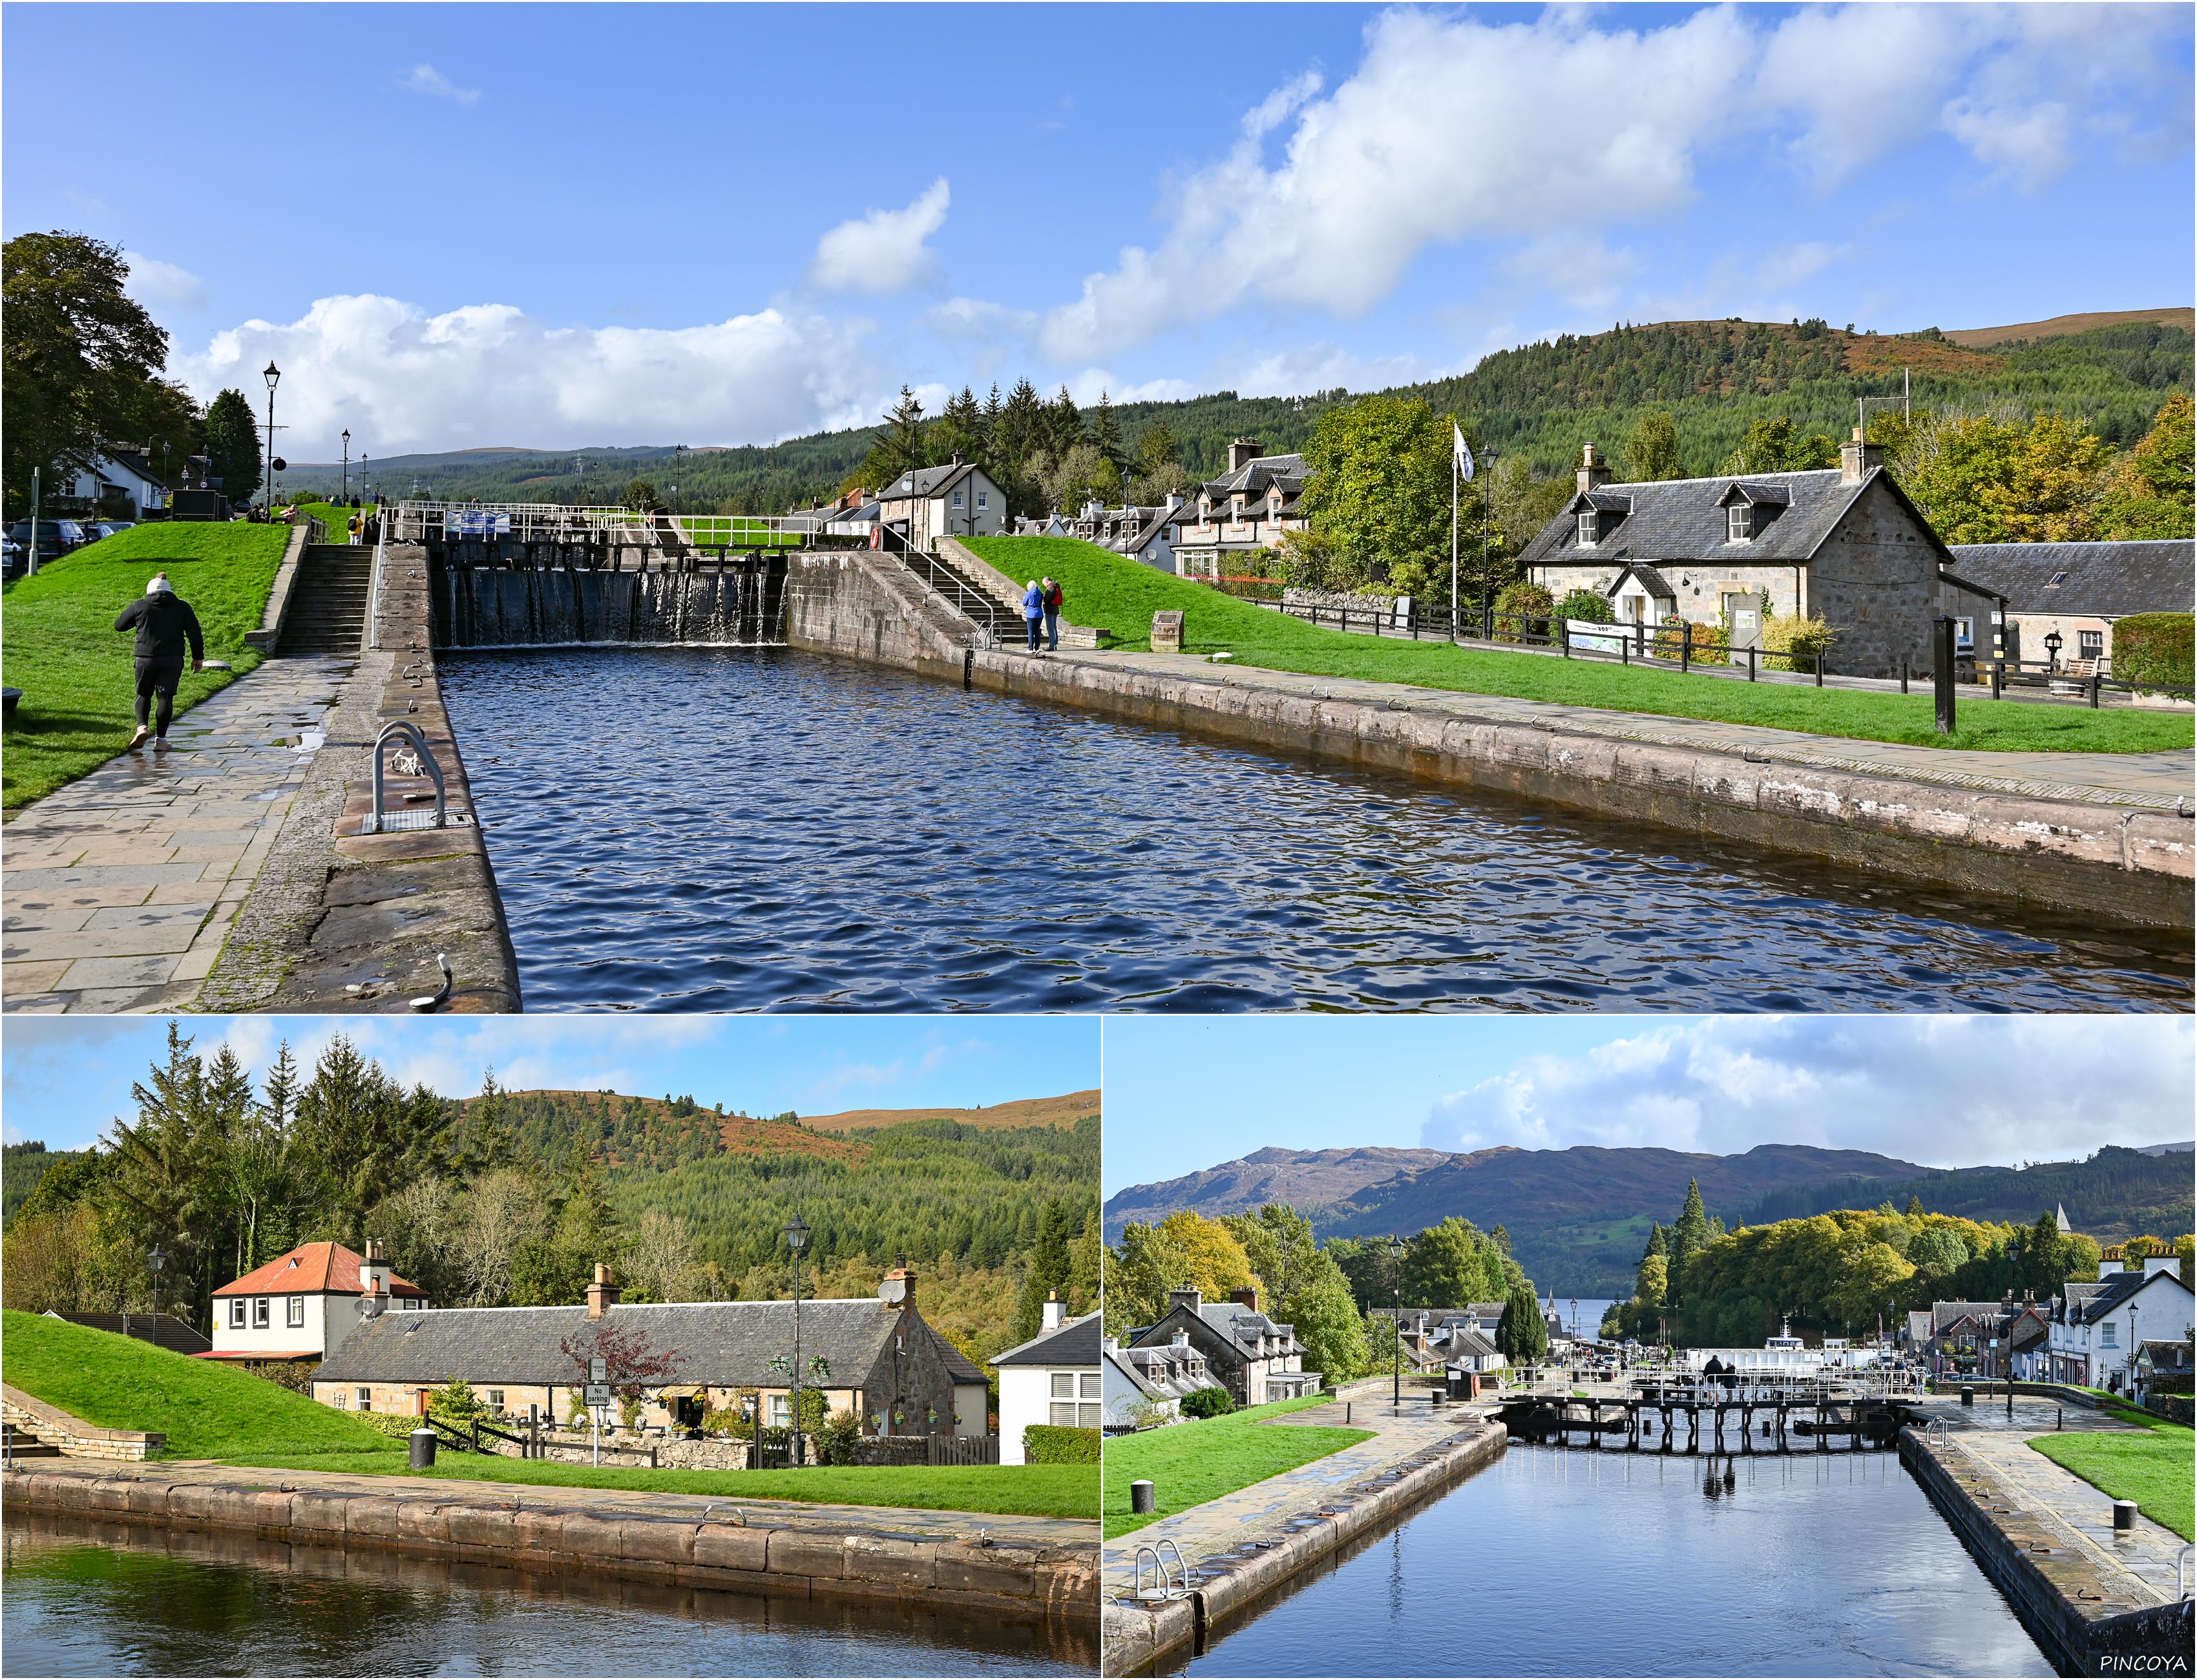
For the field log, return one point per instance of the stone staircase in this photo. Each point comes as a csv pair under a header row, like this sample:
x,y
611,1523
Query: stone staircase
x,y
328,603
25,1443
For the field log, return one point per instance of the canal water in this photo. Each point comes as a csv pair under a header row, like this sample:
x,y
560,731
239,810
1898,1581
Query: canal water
x,y
720,829
86,1598
1566,1562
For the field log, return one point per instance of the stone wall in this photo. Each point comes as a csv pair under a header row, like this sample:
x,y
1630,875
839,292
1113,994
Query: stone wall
x,y
1332,598
74,1437
867,606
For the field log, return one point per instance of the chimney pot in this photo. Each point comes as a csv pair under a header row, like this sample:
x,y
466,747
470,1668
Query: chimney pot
x,y
1189,1299
1246,1299
1857,457
1592,474
602,1294
1053,1310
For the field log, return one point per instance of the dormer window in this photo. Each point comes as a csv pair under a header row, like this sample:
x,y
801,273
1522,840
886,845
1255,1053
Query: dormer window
x,y
1589,528
1742,521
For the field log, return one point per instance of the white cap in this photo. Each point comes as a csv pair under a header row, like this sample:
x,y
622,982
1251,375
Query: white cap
x,y
160,585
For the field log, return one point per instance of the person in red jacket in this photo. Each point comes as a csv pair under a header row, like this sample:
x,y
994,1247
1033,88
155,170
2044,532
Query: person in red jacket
x,y
164,624
1052,599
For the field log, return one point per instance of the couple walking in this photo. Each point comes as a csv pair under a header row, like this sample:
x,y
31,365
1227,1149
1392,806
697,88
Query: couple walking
x,y
1041,608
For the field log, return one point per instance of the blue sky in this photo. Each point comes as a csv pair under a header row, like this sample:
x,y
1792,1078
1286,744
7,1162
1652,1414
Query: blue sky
x,y
1940,1091
581,224
65,1077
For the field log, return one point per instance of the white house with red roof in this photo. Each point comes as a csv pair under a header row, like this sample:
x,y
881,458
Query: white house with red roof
x,y
301,1305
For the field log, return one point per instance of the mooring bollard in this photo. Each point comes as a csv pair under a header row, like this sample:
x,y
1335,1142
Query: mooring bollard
x,y
423,1449
1968,1395
1140,1498
1347,1405
2123,1517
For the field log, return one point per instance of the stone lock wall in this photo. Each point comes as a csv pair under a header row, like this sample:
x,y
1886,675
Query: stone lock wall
x,y
75,1438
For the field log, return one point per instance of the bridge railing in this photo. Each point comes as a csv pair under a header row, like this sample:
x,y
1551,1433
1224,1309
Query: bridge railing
x,y
549,521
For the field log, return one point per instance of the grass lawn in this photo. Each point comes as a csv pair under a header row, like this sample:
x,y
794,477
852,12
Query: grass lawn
x,y
1192,1461
337,519
2157,1468
1120,596
1001,1490
60,646
206,1410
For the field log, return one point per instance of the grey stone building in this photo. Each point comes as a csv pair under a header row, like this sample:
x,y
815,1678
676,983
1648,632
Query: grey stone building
x,y
1245,1351
1843,543
1247,508
875,1356
2078,590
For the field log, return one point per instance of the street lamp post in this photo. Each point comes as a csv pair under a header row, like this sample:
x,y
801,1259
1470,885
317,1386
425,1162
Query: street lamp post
x,y
2128,1361
346,464
156,1260
274,377
2052,643
796,1239
1396,1324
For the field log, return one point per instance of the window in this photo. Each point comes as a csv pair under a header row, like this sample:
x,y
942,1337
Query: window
x,y
2056,580
1064,1385
413,1304
336,1398
957,498
294,1314
366,1399
781,1411
1087,1385
984,499
2106,1334
1965,632
1742,521
1587,528
1063,1415
495,1399
1088,1417
262,1313
2094,644
236,1313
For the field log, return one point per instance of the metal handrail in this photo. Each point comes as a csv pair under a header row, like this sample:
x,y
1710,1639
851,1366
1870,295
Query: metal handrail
x,y
378,819
1162,1591
2185,1572
525,519
982,609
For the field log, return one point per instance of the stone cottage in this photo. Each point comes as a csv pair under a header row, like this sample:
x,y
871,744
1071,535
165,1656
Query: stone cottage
x,y
2078,590
1245,1351
1843,543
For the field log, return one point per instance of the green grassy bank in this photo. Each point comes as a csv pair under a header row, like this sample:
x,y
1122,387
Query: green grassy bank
x,y
206,1408
58,643
1000,1490
1192,1461
1118,595
2157,1468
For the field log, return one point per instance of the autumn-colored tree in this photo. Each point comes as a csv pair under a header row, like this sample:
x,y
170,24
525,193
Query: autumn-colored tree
x,y
2151,494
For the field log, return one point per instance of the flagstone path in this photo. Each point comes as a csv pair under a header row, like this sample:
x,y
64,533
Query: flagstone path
x,y
118,889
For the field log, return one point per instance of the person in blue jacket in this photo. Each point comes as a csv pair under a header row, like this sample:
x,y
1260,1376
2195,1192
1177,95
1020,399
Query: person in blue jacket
x,y
164,622
1033,612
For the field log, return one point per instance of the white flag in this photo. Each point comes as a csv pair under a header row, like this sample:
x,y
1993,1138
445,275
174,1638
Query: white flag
x,y
1463,453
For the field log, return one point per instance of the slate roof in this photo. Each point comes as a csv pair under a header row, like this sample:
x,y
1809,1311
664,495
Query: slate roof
x,y
1685,519
2108,579
314,1268
1122,1363
1945,1313
1075,1343
1252,477
927,482
2113,1293
1651,580
720,1343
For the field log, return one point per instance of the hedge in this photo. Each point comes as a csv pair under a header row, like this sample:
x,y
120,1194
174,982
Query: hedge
x,y
2152,649
1214,1402
1589,607
1051,1443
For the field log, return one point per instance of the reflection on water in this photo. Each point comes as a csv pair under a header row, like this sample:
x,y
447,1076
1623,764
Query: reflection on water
x,y
1554,1562
743,829
91,1598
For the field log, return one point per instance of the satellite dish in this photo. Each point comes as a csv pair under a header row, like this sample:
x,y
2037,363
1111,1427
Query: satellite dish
x,y
279,465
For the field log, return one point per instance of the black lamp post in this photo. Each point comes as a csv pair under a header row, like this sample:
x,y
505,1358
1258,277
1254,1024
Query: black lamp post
x,y
1396,1354
156,1260
796,1239
753,1411
274,377
2054,641
346,464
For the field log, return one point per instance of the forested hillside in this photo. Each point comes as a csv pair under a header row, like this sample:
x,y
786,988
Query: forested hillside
x,y
1536,402
2116,1194
26,1164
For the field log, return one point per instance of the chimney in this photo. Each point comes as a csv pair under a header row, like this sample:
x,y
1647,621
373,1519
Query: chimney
x,y
1189,1299
1174,500
375,1272
1857,458
1242,451
2153,1264
1246,1299
2108,1269
898,1289
1053,1310
602,1294
1592,474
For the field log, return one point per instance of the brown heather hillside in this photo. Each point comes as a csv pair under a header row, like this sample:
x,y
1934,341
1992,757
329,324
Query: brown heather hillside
x,y
1063,1112
2064,326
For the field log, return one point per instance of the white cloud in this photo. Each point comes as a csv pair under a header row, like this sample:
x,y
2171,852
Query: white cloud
x,y
489,373
425,78
1938,1090
883,250
1555,131
154,281
1791,264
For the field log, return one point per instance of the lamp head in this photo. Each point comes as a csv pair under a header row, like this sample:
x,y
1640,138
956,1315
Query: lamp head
x,y
346,436
796,1234
273,376
155,1259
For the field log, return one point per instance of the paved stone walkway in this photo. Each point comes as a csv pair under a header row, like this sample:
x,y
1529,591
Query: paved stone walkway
x,y
2155,780
757,1513
2142,1559
1262,1509
118,889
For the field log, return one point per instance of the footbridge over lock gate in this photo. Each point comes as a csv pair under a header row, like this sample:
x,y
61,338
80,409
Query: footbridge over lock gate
x,y
1771,1414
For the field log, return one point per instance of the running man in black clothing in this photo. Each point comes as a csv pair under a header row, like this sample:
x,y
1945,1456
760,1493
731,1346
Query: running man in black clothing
x,y
164,622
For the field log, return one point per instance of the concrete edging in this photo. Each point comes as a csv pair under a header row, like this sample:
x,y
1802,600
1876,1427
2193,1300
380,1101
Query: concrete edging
x,y
2068,1605
1005,1579
269,633
74,1437
1134,1637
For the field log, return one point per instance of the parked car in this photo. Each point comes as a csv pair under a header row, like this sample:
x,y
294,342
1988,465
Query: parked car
x,y
15,558
107,528
56,537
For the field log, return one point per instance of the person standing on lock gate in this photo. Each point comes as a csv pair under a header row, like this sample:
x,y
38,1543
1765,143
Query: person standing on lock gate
x,y
1051,599
1033,612
165,625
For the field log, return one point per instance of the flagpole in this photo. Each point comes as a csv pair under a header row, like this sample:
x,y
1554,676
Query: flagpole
x,y
1453,546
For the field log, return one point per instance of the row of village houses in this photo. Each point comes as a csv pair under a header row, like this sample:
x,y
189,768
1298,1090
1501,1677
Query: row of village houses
x,y
1845,543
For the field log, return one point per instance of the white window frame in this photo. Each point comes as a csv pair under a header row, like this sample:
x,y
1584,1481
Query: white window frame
x,y
780,1412
237,1312
1086,1385
1739,524
1061,1414
1088,1417
2108,1334
957,498
2092,643
263,1311
366,1399
495,1399
1064,1385
1589,528
293,1314
984,499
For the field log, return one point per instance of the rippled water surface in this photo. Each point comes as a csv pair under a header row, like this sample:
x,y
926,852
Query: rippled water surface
x,y
754,829
85,1598
1563,1562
